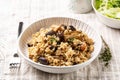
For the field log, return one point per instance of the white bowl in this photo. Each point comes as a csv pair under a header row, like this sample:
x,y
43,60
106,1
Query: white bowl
x,y
26,35
110,22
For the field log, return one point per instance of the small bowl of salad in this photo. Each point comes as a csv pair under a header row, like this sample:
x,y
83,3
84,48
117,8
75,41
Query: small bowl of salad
x,y
108,12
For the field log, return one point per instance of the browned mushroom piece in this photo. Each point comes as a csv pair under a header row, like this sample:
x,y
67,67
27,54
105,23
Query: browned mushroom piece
x,y
61,36
50,33
72,28
29,45
74,34
43,60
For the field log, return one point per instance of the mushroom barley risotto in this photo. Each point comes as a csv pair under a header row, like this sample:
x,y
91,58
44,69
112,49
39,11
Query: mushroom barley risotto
x,y
60,45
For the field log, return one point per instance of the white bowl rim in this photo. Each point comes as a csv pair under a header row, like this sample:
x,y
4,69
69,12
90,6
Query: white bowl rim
x,y
57,67
93,1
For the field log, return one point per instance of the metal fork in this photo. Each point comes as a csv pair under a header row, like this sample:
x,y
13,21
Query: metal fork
x,y
15,61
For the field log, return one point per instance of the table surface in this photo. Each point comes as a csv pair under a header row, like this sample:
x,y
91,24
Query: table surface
x,y
29,11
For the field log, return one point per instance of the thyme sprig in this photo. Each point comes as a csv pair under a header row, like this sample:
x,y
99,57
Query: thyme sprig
x,y
105,56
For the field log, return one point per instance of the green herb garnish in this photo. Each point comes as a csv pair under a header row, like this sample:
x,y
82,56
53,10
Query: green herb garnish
x,y
70,40
52,40
106,55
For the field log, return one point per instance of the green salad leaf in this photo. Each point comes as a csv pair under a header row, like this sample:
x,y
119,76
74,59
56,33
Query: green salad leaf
x,y
110,8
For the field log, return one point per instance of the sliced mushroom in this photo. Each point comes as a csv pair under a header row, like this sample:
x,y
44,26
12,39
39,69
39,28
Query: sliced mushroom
x,y
42,60
74,34
64,26
50,33
61,36
72,28
29,45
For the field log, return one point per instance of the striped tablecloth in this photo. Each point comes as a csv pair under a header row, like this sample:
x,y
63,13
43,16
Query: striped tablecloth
x,y
28,11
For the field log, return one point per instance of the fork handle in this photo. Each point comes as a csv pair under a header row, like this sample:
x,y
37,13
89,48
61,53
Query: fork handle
x,y
20,28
